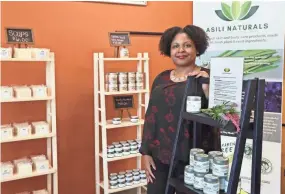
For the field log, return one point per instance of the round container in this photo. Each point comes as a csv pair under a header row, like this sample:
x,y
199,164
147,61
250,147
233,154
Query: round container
x,y
122,182
110,147
193,104
142,171
131,86
122,173
136,170
123,78
188,175
143,178
211,184
134,149
121,176
137,178
194,151
116,121
118,146
126,144
118,151
113,88
113,177
123,87
136,173
139,77
201,163
113,184
115,143
134,119
131,77
114,174
199,180
129,179
220,166
112,78
110,153
139,86
129,172
126,150
213,154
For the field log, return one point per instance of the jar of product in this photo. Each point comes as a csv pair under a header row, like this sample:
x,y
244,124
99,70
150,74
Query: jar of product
x,y
114,174
189,175
112,78
115,143
201,163
126,149
134,148
118,151
121,174
220,166
123,78
131,86
139,86
199,180
124,52
129,179
121,182
131,77
137,177
193,104
211,184
143,178
136,170
113,184
139,77
113,88
123,87
110,151
193,152
129,171
213,154
142,171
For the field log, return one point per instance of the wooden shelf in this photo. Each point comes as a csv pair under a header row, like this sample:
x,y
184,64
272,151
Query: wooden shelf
x,y
126,92
27,59
31,137
124,188
122,157
125,123
27,99
124,59
34,174
179,185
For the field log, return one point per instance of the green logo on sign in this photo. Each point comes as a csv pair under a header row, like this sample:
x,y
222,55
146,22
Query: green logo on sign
x,y
236,11
227,70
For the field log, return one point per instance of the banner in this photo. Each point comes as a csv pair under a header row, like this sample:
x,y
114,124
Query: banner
x,y
254,31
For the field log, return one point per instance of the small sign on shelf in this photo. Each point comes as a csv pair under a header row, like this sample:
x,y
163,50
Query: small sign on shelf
x,y
19,36
124,102
120,39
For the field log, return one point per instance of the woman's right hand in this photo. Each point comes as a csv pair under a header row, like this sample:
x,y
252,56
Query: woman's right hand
x,y
149,163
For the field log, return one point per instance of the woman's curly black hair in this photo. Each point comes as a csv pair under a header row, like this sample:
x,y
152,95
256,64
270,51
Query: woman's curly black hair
x,y
195,33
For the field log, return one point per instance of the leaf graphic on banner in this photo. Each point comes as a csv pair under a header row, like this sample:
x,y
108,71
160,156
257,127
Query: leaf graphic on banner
x,y
253,9
226,9
245,9
221,15
236,9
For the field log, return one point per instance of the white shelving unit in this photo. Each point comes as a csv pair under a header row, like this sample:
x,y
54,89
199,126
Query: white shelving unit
x,y
142,60
52,176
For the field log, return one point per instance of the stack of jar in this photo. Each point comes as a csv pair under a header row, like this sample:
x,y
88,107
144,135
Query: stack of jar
x,y
124,81
127,178
207,172
123,148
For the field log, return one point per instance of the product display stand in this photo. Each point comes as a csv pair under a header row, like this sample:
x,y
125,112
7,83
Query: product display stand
x,y
103,124
253,100
52,176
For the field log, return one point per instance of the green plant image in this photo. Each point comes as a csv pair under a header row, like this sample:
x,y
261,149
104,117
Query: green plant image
x,y
255,60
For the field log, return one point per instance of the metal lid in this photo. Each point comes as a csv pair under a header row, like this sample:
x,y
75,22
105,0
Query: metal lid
x,y
122,173
113,174
201,157
196,150
110,146
189,168
126,145
213,154
221,160
113,177
129,171
194,98
210,178
199,174
136,170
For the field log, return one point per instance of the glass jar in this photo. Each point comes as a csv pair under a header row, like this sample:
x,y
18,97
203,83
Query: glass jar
x,y
193,104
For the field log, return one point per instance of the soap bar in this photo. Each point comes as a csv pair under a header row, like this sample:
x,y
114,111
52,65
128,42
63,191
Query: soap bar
x,y
25,53
22,91
40,127
23,129
39,90
7,169
5,53
40,53
7,132
6,92
23,166
41,165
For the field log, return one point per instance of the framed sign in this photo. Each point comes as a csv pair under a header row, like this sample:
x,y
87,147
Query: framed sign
x,y
119,39
121,102
19,35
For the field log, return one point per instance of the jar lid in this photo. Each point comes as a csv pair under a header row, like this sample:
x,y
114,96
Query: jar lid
x,y
201,157
113,177
221,160
129,141
189,168
210,178
142,171
122,173
194,98
129,171
213,154
113,174
110,147
196,150
199,174
129,175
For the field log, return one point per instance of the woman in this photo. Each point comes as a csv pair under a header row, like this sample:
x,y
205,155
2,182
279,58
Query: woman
x,y
182,45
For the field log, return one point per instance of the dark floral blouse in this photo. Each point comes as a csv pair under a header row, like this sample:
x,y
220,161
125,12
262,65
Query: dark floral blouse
x,y
161,120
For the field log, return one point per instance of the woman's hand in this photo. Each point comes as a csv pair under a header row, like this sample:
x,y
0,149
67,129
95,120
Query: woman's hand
x,y
148,161
199,73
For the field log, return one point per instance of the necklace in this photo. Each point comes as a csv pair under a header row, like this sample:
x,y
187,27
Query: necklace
x,y
177,79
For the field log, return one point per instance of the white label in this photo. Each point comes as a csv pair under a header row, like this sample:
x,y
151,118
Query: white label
x,y
220,170
222,183
188,178
6,134
211,188
193,106
24,132
202,167
6,94
198,182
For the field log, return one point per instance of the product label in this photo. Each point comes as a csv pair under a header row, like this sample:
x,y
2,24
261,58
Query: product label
x,y
24,132
198,182
6,134
188,178
211,163
220,170
193,106
202,167
211,188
